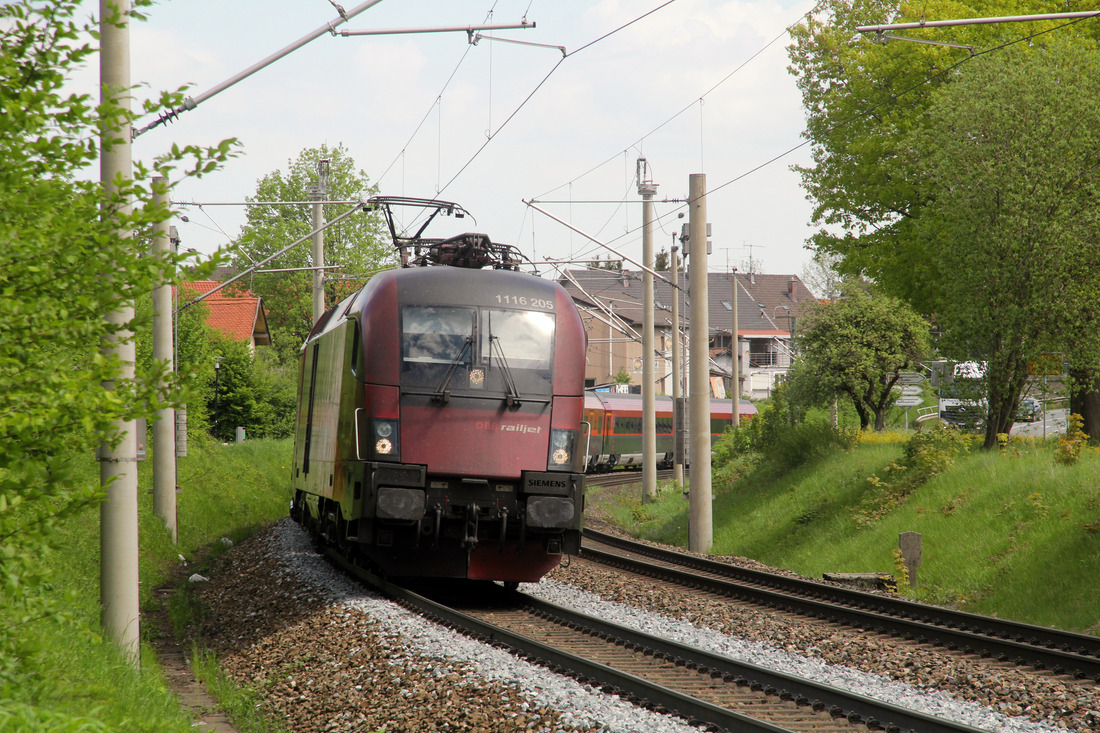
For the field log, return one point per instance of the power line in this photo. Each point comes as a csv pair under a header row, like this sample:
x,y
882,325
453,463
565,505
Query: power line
x,y
538,86
860,115
687,107
492,135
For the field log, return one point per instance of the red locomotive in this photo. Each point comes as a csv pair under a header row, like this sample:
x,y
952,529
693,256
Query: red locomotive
x,y
439,415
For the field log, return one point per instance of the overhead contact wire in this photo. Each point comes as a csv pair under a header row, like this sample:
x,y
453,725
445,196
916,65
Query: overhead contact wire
x,y
543,81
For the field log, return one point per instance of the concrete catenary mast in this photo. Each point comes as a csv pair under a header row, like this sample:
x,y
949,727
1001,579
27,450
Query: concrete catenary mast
x,y
700,531
118,520
647,189
164,429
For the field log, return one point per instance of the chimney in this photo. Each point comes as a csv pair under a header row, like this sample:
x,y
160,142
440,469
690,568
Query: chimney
x,y
790,289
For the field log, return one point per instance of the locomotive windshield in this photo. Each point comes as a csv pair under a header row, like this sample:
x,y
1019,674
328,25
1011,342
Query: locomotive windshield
x,y
479,351
434,334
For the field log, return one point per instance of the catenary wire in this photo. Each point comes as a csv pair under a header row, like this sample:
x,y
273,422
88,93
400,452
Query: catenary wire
x,y
840,123
538,86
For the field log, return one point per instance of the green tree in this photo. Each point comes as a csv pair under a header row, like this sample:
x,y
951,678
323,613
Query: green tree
x,y
863,101
358,244
856,347
63,269
251,391
608,264
1012,155
276,385
196,343
234,402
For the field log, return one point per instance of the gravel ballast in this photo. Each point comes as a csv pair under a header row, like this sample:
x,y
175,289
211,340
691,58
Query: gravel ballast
x,y
326,654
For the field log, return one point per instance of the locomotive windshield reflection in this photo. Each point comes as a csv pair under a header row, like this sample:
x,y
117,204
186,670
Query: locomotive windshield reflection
x,y
479,351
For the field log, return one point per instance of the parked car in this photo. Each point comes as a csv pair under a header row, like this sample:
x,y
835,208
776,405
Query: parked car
x,y
963,415
1030,410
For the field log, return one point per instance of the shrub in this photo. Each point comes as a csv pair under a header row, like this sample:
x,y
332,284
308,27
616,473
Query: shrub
x,y
734,443
926,454
1074,439
805,442
933,451
782,436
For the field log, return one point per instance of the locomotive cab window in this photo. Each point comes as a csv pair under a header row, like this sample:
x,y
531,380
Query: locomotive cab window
x,y
477,350
435,334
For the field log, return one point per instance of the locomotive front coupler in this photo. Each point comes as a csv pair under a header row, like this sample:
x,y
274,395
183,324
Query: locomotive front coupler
x,y
470,540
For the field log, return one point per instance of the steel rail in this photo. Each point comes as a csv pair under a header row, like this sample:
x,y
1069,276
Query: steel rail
x,y
854,707
1062,652
683,705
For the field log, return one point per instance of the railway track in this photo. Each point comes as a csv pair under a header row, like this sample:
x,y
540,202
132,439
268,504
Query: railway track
x,y
657,673
622,477
1074,655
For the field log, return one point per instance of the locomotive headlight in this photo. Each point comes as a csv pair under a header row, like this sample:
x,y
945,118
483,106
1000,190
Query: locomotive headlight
x,y
563,445
385,439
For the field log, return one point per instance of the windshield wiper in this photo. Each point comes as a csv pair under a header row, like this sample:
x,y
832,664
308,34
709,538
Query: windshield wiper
x,y
441,392
505,370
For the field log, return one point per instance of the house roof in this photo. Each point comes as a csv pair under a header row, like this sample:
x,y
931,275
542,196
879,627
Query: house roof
x,y
239,316
763,301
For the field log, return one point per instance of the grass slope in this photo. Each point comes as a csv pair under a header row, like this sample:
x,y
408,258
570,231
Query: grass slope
x,y
65,677
1014,534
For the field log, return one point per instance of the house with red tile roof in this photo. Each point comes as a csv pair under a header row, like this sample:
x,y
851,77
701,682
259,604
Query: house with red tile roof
x,y
238,315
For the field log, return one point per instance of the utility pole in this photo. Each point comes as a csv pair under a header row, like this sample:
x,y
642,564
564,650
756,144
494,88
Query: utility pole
x,y
317,193
164,429
677,388
118,517
647,189
735,354
700,531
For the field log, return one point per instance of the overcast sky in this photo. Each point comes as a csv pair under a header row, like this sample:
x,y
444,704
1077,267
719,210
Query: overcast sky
x,y
429,114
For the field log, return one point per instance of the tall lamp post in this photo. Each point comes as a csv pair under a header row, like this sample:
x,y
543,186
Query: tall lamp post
x,y
217,391
790,322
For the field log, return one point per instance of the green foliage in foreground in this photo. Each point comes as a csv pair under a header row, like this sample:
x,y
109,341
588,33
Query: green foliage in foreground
x,y
1012,533
63,676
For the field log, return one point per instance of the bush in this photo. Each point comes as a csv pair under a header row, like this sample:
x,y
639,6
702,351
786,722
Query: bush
x,y
781,436
734,443
805,442
933,451
926,454
1071,443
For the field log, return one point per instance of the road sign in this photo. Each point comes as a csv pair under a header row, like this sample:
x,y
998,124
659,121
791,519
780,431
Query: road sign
x,y
911,390
1045,365
910,377
909,401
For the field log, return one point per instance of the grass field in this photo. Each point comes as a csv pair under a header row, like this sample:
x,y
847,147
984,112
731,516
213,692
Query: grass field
x,y
1014,533
66,679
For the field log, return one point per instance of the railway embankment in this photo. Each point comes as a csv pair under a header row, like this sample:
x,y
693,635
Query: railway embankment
x,y
993,525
